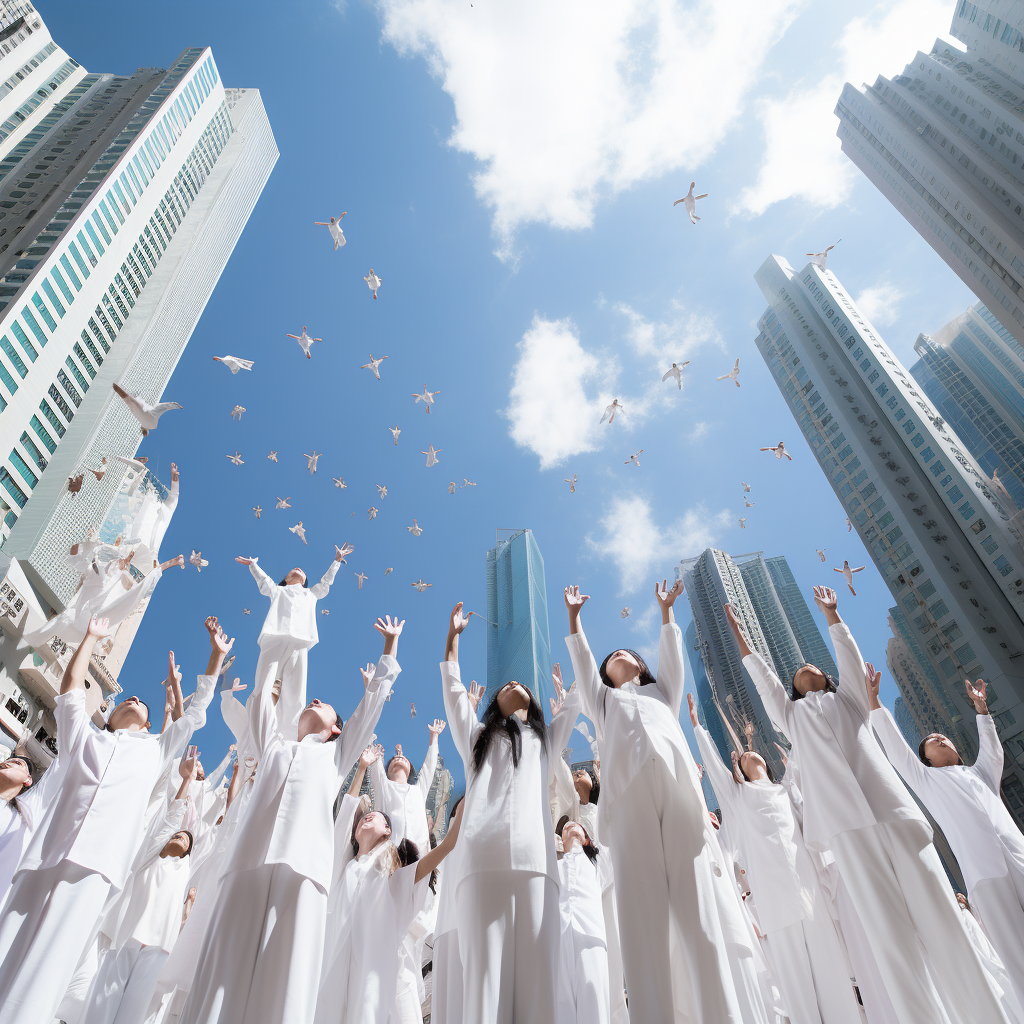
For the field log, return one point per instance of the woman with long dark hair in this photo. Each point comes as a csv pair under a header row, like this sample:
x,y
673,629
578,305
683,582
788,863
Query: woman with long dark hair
x,y
507,889
654,822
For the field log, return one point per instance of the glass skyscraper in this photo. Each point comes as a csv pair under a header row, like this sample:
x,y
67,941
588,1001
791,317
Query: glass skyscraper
x,y
518,641
920,504
705,701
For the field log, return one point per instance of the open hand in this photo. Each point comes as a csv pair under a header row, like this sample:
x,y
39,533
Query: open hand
x,y
436,729
99,628
189,764
574,600
173,672
245,561
874,681
693,709
977,695
475,694
458,621
825,598
367,674
667,598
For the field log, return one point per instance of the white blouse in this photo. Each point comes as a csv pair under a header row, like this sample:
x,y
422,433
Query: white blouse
x,y
963,799
847,782
293,608
405,803
579,896
506,825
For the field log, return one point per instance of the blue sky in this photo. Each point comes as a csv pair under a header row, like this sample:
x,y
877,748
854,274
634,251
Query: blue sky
x,y
509,172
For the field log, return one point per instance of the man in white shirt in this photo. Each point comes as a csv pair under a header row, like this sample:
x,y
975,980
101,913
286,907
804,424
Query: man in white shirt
x,y
88,837
965,801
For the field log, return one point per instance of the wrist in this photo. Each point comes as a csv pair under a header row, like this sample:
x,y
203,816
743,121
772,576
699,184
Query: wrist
x,y
981,708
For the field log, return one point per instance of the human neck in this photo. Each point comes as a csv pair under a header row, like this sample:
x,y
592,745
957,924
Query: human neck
x,y
10,790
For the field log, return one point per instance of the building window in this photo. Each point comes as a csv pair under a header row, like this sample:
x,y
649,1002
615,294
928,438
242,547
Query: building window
x,y
58,399
73,249
868,491
84,359
92,348
22,337
63,286
13,489
917,441
34,326
41,433
955,494
78,375
22,467
966,510
37,301
990,545
12,354
1003,565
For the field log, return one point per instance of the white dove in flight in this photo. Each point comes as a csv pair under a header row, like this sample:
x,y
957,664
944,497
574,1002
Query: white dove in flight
x,y
272,456
284,502
299,531
362,577
334,226
389,569
101,470
746,486
571,481
848,572
821,553
197,560
304,340
236,413
415,529
468,483
257,510
420,585
395,431
374,365
427,398
743,523
635,458
382,490
146,414
780,450
236,459
451,486
732,374
372,512
311,461
819,258
690,201
624,614
609,413
373,282
233,363
676,370
339,482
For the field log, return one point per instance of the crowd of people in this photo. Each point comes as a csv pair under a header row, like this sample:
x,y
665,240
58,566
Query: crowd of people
x,y
137,889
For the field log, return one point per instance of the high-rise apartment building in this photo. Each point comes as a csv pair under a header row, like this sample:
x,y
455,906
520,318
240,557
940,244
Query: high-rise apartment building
x,y
944,143
705,702
973,371
518,641
746,582
906,723
121,200
921,506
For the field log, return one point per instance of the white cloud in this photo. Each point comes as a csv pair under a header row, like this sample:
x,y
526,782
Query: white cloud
x,y
675,341
640,548
802,153
881,303
700,429
562,104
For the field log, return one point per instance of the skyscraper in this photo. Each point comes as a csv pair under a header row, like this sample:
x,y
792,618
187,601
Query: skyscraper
x,y
918,501
944,143
906,722
973,371
705,701
121,200
518,642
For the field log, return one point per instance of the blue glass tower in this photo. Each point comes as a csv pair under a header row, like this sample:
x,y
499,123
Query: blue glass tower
x,y
518,642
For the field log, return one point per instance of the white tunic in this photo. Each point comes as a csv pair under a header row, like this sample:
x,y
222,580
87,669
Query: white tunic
x,y
579,896
506,825
760,818
290,819
963,799
405,803
292,612
847,782
19,818
108,778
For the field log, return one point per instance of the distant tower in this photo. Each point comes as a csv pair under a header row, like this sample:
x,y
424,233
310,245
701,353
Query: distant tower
x,y
518,642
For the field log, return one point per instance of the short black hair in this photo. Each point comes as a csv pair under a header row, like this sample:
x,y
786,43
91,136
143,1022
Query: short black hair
x,y
305,578
924,757
191,839
830,683
645,678
387,767
116,706
561,823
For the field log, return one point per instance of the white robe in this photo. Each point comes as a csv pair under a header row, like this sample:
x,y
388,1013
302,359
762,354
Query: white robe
x,y
583,989
151,522
18,819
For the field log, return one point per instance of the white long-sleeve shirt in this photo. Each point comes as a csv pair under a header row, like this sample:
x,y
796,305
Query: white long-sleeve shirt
x,y
290,819
293,608
506,825
634,722
760,820
963,799
847,782
97,820
18,820
406,803
579,896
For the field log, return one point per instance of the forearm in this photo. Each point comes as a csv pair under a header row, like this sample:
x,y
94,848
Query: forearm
x,y
667,615
451,647
832,616
574,622
178,701
429,861
357,781
78,667
182,789
233,786
213,666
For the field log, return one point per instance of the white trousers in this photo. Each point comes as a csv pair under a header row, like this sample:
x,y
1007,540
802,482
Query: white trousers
x,y
260,958
812,971
72,1006
616,982
407,999
997,904
124,985
582,981
673,951
281,659
447,984
908,911
508,937
49,918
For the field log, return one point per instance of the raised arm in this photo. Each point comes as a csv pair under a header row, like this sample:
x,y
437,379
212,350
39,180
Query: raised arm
x,y
563,721
989,764
78,666
426,773
593,693
173,685
432,858
671,672
722,780
263,581
899,753
852,669
319,590
371,758
457,705
773,694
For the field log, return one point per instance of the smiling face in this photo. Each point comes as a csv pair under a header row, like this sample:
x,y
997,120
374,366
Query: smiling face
x,y
131,712
295,576
371,829
809,679
513,699
940,751
621,667
318,718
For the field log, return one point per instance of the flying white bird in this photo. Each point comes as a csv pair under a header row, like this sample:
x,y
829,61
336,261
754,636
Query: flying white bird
x,y
138,463
676,371
373,282
236,459
690,201
362,577
818,258
420,585
746,486
304,340
339,482
272,456
821,553
634,458
382,490
431,454
299,531
257,510
372,512
197,560
395,431
749,504
373,364
233,363
624,614
571,481
146,414
344,551
732,374
415,529
325,611
247,611
609,413
848,572
283,502
427,398
780,450
334,226
743,523
451,486
236,413
311,461
101,471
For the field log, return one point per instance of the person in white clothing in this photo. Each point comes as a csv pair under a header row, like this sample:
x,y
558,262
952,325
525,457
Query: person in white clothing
x,y
260,958
990,958
856,806
287,634
965,801
152,519
654,822
379,886
88,837
804,951
22,804
507,892
583,989
122,988
447,981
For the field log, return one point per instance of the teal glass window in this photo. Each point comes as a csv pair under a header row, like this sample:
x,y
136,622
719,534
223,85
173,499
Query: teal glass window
x,y
43,435
88,342
63,286
20,497
22,337
33,324
80,352
94,237
990,545
37,301
23,468
58,399
66,264
29,445
70,388
73,249
51,416
7,379
77,373
12,354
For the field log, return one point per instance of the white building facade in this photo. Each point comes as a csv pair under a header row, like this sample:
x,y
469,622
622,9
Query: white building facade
x,y
918,501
